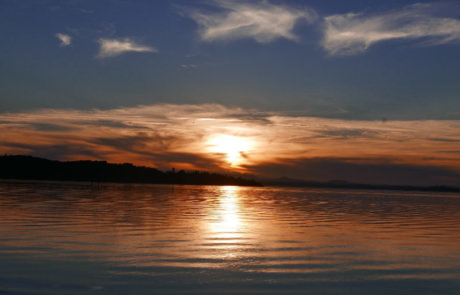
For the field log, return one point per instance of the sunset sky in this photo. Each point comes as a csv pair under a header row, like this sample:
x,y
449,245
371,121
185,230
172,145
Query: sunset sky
x,y
365,91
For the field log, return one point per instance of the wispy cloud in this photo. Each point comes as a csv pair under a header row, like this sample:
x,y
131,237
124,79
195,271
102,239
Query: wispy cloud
x,y
261,20
188,66
348,34
65,39
114,47
167,135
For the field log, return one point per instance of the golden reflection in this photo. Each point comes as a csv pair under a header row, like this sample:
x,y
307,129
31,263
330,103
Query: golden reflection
x,y
231,227
226,221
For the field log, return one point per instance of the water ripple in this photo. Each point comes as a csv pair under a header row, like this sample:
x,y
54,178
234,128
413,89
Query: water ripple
x,y
120,239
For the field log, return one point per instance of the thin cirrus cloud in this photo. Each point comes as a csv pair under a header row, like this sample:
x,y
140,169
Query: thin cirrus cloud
x,y
351,33
115,47
261,21
65,39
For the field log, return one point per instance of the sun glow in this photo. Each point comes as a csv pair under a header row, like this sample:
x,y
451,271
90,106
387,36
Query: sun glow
x,y
234,147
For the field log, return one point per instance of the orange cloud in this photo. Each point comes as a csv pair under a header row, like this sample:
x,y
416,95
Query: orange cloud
x,y
166,135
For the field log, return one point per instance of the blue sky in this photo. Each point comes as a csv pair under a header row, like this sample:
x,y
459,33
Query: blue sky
x,y
365,91
287,67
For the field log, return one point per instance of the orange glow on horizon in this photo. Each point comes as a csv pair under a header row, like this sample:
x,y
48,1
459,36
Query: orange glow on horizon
x,y
216,138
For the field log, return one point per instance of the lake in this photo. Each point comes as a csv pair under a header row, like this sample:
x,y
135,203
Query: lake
x,y
81,238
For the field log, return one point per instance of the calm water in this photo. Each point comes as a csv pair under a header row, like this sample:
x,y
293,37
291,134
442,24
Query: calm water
x,y
67,238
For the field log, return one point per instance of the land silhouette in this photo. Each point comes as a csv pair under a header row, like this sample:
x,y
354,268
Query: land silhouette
x,y
33,168
23,167
341,184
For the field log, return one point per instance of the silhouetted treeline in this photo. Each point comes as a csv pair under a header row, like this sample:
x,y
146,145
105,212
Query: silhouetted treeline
x,y
28,167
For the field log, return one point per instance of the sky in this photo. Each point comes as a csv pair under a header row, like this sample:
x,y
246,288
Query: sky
x,y
319,90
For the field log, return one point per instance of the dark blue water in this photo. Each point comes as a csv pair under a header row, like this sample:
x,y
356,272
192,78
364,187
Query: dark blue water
x,y
77,238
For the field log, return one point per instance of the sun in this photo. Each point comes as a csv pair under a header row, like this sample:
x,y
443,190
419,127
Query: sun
x,y
234,147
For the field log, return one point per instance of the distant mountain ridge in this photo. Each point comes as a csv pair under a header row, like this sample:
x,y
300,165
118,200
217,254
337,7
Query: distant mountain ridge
x,y
285,181
33,168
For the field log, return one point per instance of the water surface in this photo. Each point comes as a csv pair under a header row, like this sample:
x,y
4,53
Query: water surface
x,y
80,238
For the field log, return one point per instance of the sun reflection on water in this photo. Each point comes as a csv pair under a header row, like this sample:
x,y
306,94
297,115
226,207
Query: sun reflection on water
x,y
224,236
226,222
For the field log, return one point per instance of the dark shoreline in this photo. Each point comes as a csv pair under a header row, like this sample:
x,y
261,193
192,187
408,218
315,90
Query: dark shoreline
x,y
32,168
19,167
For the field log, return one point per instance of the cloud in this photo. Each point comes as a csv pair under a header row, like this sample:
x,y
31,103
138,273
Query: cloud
x,y
347,133
57,151
351,33
262,21
65,39
181,136
114,47
188,66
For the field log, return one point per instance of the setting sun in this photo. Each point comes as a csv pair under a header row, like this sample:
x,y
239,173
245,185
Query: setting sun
x,y
233,147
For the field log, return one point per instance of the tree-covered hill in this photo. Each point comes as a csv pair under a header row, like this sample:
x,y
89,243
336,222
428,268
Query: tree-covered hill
x,y
28,167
